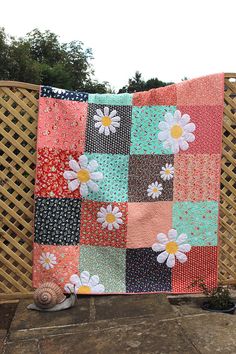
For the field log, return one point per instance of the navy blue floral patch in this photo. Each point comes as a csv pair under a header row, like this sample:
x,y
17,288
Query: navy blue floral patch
x,y
57,221
53,92
144,273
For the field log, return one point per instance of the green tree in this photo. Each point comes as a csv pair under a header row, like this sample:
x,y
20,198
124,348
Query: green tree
x,y
136,84
41,58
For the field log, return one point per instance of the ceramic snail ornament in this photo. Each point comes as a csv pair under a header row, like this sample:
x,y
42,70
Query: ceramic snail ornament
x,y
49,297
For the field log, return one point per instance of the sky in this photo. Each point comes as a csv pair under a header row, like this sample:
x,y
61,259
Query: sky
x,y
168,39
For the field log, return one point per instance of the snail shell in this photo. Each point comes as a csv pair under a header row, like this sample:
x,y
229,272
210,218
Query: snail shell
x,y
48,295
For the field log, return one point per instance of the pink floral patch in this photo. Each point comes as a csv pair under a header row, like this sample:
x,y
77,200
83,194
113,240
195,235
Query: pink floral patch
x,y
66,262
165,96
61,124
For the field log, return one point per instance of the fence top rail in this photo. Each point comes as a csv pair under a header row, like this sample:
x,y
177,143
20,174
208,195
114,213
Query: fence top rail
x,y
18,84
29,86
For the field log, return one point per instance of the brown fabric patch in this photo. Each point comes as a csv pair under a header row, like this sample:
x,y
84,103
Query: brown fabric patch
x,y
145,170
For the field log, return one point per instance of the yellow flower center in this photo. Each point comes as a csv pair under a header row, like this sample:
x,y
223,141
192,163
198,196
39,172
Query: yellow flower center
x,y
106,121
167,172
176,131
83,176
47,260
84,289
155,190
172,247
110,218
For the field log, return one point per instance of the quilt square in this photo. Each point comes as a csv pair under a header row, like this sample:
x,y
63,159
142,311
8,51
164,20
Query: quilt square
x,y
61,124
51,165
123,99
198,220
54,263
197,177
144,130
163,96
146,181
145,221
98,261
57,221
203,91
208,136
61,94
144,273
112,216
201,263
114,185
108,129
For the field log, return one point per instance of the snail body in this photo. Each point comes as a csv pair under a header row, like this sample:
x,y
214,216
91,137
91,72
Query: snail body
x,y
50,297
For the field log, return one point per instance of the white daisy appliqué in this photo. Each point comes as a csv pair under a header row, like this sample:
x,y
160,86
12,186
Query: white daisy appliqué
x,y
176,131
167,172
48,260
170,247
154,190
83,175
84,284
110,218
106,122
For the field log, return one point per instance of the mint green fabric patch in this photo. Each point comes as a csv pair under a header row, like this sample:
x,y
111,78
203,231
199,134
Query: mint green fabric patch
x,y
98,261
114,186
144,129
123,99
198,220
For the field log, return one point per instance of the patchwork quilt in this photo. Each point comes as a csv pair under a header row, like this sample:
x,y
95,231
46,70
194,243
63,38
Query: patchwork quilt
x,y
127,188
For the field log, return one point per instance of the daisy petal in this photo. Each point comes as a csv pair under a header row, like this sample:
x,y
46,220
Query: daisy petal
x,y
184,119
69,288
185,247
177,115
110,227
83,190
182,238
162,257
106,111
94,280
184,145
115,210
116,225
92,166
74,279
74,165
109,208
172,234
100,113
99,289
97,176
93,186
84,276
101,220
83,161
169,117
170,261
98,124
115,124
113,113
162,238
158,247
189,137
116,119
73,185
101,129
181,257
107,131
163,125
97,118
163,135
70,175
119,221
190,127
112,129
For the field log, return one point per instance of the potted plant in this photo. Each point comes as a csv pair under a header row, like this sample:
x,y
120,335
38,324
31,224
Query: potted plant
x,y
217,299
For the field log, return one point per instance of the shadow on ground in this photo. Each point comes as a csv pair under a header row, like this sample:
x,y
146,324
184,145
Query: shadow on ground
x,y
121,324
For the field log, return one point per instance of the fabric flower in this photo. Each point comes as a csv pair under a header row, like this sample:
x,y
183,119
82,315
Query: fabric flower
x,y
176,131
154,190
83,175
110,218
48,260
106,122
170,247
84,284
167,172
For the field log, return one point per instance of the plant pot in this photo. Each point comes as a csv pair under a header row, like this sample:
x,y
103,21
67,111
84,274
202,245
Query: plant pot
x,y
230,310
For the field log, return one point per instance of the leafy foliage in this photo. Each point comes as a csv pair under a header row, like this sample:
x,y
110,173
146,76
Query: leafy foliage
x,y
136,84
217,298
40,58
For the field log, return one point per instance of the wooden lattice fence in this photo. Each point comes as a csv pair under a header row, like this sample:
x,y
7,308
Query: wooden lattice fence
x,y
18,116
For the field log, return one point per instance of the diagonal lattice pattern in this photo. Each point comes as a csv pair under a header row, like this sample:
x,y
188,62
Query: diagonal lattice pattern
x,y
18,118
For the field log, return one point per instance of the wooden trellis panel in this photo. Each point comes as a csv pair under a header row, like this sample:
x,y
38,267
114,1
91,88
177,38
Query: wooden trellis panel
x,y
18,117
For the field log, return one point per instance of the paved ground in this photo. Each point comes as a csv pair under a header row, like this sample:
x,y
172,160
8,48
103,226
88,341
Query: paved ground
x,y
121,324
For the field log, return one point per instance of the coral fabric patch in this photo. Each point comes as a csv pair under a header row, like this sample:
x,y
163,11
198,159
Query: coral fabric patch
x,y
127,188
